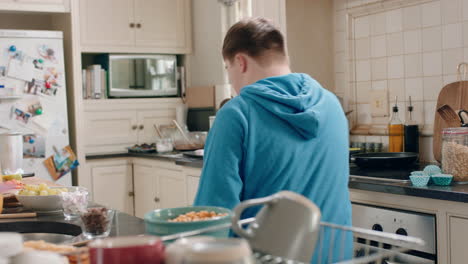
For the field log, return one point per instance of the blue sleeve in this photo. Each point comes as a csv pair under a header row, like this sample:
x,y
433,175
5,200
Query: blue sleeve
x,y
221,183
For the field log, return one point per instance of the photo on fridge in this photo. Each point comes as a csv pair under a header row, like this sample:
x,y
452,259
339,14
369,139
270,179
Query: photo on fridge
x,y
61,163
33,146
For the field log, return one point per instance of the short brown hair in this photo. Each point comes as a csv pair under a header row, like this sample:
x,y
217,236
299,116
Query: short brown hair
x,y
253,36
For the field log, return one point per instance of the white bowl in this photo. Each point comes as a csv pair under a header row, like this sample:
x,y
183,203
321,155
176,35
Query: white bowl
x,y
42,203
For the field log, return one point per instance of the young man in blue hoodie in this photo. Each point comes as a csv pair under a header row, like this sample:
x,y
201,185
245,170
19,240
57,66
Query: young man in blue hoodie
x,y
283,132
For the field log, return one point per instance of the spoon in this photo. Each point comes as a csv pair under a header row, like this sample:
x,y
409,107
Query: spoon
x,y
182,131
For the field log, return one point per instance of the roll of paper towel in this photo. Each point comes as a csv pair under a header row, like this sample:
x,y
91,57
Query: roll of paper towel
x,y
11,153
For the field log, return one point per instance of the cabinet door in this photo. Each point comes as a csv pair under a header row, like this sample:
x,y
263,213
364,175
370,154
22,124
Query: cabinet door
x,y
458,232
112,187
107,131
107,23
145,183
162,23
147,120
45,2
271,9
172,188
192,187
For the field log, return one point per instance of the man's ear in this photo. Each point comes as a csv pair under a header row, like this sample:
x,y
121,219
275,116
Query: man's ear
x,y
241,59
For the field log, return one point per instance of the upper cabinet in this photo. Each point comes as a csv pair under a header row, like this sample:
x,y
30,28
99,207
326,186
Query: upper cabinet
x,y
48,6
271,9
153,26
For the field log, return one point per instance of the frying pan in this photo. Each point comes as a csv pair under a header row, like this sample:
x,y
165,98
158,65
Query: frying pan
x,y
385,159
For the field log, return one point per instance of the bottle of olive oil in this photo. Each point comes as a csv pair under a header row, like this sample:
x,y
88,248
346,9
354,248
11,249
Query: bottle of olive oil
x,y
395,131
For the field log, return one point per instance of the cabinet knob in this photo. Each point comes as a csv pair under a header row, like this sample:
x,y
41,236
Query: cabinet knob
x,y
134,127
156,199
132,25
138,25
142,127
131,194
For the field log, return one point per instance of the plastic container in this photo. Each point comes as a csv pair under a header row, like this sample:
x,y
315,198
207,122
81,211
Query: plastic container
x,y
455,152
164,145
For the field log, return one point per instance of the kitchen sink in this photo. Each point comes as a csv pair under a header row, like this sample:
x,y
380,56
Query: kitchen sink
x,y
52,232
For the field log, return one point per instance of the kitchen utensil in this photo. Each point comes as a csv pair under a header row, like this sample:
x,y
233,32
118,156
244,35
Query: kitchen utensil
x,y
197,141
157,131
286,226
127,250
18,215
157,221
385,159
462,120
209,250
11,153
181,131
449,115
420,180
454,95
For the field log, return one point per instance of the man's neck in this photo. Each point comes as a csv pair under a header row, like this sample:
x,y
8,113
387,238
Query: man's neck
x,y
271,71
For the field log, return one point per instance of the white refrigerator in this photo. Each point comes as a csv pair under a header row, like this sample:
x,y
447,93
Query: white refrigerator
x,y
33,98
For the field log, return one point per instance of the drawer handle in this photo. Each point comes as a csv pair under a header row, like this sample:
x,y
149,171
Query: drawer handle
x,y
134,127
132,25
156,199
138,25
141,127
131,194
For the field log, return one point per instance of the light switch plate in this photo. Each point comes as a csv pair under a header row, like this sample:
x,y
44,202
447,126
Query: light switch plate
x,y
379,103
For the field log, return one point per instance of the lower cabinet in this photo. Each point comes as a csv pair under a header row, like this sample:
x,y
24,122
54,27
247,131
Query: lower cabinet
x,y
458,239
112,185
145,183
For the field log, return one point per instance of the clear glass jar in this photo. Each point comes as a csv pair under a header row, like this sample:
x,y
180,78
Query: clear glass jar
x,y
455,152
164,145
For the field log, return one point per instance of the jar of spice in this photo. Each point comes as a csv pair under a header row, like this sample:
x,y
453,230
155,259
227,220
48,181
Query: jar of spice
x,y
455,152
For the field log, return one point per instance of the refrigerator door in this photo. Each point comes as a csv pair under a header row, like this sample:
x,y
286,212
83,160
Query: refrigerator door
x,y
33,95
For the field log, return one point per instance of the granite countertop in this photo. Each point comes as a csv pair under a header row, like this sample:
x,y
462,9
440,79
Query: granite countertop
x,y
178,158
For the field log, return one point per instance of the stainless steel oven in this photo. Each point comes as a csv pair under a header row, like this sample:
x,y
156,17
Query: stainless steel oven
x,y
400,222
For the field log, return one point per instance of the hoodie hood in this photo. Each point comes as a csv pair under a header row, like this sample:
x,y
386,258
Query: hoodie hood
x,y
295,98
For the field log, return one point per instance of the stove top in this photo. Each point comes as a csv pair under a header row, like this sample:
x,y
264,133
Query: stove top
x,y
384,174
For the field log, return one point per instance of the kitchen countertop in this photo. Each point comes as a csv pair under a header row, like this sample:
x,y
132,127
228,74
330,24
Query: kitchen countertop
x,y
455,192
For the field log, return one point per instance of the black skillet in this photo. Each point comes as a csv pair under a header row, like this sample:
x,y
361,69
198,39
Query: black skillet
x,y
385,159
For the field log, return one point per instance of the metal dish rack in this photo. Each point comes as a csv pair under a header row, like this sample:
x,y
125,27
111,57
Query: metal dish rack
x,y
370,247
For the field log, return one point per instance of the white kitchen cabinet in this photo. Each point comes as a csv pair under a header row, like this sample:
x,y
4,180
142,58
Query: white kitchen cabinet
x,y
146,184
107,23
192,187
172,192
112,185
157,26
274,10
110,131
49,6
146,121
458,239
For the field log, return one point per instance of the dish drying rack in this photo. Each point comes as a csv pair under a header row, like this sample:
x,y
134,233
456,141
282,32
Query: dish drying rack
x,y
370,247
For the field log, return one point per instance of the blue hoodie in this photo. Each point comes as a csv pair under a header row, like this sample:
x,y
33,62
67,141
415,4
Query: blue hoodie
x,y
282,133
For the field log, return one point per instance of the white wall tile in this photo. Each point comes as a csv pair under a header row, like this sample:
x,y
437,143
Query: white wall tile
x,y
340,83
432,86
451,58
340,21
364,114
396,87
451,11
361,27
413,65
465,10
363,91
431,14
395,67
452,36
378,24
378,46
379,85
465,33
448,79
340,41
432,39
432,63
465,54
412,40
418,112
412,17
379,69
429,111
414,88
362,48
363,71
394,21
340,62
395,44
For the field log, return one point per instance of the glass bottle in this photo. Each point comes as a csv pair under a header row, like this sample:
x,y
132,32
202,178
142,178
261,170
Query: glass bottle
x,y
411,132
395,131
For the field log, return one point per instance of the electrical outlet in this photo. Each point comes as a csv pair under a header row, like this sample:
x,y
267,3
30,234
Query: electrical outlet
x,y
379,103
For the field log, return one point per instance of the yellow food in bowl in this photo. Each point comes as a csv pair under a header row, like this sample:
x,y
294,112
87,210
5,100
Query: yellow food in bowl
x,y
41,189
197,216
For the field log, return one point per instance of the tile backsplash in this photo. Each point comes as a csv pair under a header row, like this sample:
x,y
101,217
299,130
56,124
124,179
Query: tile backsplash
x,y
407,48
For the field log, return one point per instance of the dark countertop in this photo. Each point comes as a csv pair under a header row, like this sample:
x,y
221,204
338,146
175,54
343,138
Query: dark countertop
x,y
178,158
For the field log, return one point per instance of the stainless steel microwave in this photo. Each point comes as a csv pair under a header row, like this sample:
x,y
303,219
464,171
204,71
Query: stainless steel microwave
x,y
143,76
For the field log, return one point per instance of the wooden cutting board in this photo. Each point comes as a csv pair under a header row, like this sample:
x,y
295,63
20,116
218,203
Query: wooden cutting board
x,y
456,96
